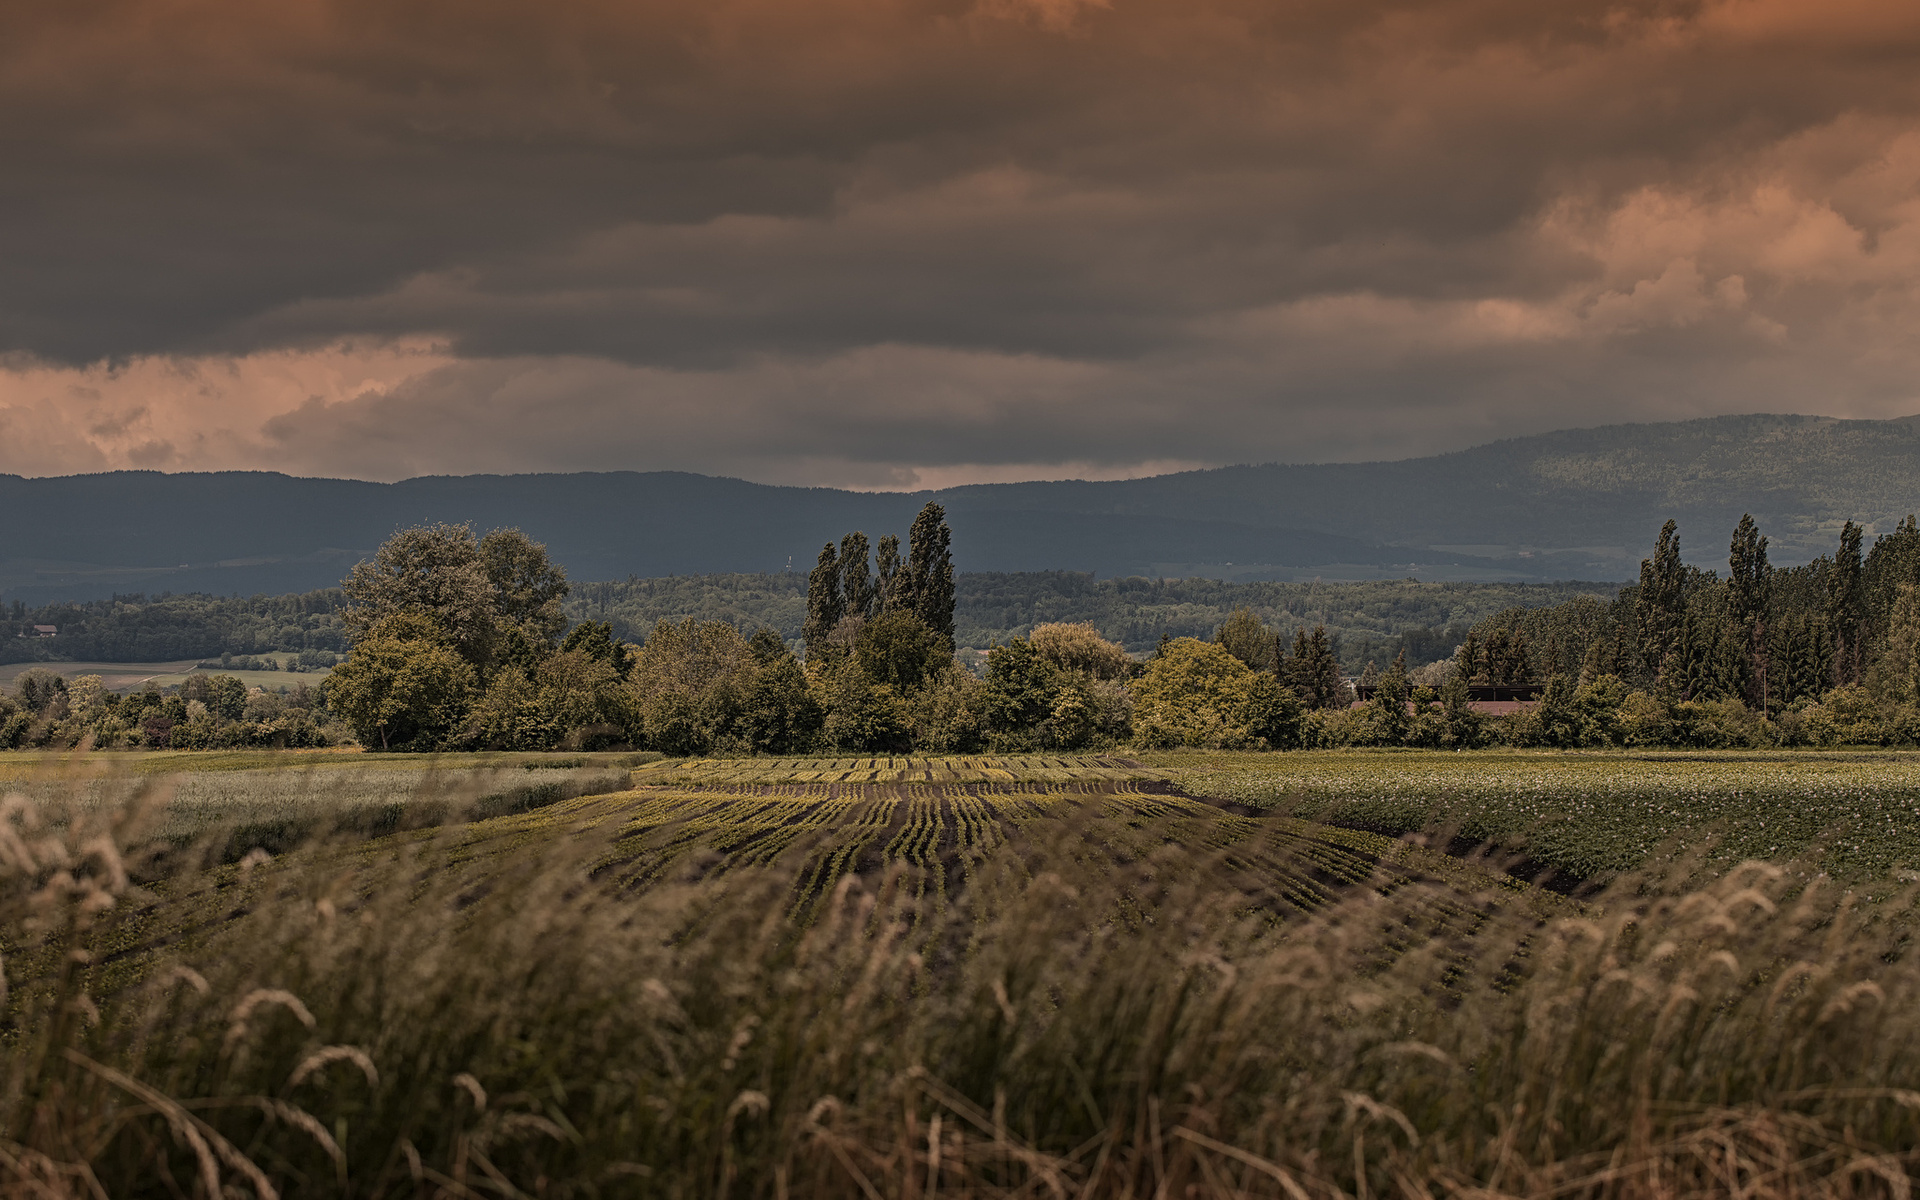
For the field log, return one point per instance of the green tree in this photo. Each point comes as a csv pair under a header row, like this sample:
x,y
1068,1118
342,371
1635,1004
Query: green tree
x,y
1846,609
1079,650
1197,694
527,586
1661,600
1314,670
1248,639
691,683
1897,674
1556,722
929,572
1022,688
859,714
1749,595
860,598
434,571
1389,704
226,697
401,692
595,640
887,564
493,597
1462,728
897,649
825,602
779,714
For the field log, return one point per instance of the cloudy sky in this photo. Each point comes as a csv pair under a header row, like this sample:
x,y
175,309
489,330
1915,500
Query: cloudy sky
x,y
888,243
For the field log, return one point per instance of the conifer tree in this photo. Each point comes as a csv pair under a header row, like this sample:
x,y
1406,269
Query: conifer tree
x,y
1313,671
825,603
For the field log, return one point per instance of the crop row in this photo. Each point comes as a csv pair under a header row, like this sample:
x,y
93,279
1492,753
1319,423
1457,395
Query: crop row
x,y
1588,815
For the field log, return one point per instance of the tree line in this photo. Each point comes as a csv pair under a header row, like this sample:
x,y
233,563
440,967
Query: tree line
x,y
1822,654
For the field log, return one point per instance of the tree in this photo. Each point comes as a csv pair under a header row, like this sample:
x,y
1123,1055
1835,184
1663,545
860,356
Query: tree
x,y
1314,671
527,586
400,692
1749,591
779,714
1197,694
1078,649
1247,638
886,564
1389,703
498,593
1846,609
1897,677
1022,689
825,603
434,571
1461,727
1661,601
595,640
929,572
897,649
859,596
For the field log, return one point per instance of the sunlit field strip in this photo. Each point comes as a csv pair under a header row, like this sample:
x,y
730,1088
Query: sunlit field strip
x,y
955,769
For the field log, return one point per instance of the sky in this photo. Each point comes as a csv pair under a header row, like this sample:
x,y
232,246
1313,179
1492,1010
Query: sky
x,y
911,243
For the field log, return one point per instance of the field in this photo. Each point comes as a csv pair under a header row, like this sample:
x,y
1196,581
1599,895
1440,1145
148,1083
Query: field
x,y
1855,816
992,976
127,677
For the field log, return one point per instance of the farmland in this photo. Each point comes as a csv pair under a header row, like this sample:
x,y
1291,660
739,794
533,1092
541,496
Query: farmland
x,y
974,976
1855,816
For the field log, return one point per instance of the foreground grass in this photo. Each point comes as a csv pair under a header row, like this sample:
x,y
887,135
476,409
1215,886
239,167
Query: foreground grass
x,y
1082,989
1855,816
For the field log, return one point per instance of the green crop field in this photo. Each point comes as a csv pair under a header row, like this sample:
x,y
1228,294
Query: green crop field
x,y
1856,816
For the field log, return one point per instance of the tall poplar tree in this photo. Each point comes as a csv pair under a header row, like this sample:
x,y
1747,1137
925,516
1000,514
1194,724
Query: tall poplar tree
x,y
825,602
1749,592
929,571
886,558
1846,608
1662,600
858,595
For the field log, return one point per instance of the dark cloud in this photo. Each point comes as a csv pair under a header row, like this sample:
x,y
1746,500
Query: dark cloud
x,y
842,241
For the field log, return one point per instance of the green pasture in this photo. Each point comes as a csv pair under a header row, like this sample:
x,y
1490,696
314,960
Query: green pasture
x,y
127,677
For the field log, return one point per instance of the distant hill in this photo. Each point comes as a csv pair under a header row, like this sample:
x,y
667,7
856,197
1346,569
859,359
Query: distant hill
x,y
1578,504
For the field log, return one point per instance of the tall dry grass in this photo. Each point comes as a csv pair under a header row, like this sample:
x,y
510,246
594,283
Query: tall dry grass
x,y
450,1018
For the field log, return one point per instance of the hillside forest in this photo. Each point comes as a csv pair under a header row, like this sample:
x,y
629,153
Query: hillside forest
x,y
458,641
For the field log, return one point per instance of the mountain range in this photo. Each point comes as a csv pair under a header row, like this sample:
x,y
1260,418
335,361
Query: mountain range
x,y
1575,504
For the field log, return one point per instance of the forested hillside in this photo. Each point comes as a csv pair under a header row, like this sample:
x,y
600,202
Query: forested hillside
x,y
136,629
1579,504
1369,619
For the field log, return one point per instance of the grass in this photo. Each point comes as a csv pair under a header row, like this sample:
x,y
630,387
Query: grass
x,y
228,803
127,677
1855,816
1073,986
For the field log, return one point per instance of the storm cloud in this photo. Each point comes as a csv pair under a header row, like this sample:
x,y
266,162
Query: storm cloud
x,y
889,242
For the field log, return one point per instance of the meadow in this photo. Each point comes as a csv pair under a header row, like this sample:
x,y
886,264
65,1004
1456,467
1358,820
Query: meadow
x,y
1065,976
